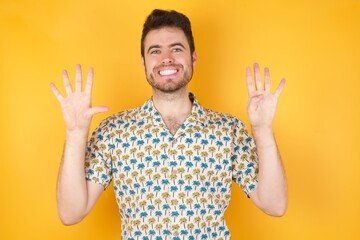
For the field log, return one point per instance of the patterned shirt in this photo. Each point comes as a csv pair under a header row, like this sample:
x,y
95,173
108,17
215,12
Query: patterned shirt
x,y
172,186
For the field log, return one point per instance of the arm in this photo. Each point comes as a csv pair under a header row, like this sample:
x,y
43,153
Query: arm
x,y
270,195
75,195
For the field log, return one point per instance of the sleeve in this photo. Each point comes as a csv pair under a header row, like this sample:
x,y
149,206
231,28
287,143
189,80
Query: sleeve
x,y
98,161
244,158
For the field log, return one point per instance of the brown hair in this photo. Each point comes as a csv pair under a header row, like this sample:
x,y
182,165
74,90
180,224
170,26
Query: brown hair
x,y
162,18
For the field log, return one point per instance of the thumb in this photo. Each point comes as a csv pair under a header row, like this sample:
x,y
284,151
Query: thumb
x,y
95,110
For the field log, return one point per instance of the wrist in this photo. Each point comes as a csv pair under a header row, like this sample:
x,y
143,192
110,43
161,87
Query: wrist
x,y
256,130
77,134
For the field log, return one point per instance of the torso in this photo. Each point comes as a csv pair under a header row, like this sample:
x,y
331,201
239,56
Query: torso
x,y
169,186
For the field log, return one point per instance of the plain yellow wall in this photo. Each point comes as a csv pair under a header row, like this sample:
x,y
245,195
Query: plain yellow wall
x,y
315,45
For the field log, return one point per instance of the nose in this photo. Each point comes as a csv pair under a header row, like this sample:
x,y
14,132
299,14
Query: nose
x,y
167,58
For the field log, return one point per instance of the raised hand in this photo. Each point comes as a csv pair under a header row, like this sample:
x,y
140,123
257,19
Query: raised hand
x,y
262,103
76,105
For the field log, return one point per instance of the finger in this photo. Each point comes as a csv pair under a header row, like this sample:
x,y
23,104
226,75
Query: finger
x,y
267,79
95,110
67,84
89,81
56,92
258,81
78,81
280,87
249,82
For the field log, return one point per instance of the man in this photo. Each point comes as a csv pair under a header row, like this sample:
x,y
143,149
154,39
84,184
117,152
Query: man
x,y
171,160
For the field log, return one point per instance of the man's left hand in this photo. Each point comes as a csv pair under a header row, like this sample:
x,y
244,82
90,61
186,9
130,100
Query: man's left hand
x,y
262,103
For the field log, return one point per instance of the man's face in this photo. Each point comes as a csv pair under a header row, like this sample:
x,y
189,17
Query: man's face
x,y
167,59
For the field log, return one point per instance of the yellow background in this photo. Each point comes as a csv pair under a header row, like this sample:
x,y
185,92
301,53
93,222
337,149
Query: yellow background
x,y
315,45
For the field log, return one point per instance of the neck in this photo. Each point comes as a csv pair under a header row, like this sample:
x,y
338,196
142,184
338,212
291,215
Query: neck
x,y
173,107
170,104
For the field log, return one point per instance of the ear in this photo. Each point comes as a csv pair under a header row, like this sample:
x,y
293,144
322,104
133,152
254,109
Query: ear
x,y
194,58
143,62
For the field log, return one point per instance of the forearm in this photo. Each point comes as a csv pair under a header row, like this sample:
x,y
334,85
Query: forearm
x,y
272,187
72,192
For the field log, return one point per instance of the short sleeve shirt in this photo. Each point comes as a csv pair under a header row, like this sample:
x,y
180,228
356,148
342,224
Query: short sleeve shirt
x,y
172,186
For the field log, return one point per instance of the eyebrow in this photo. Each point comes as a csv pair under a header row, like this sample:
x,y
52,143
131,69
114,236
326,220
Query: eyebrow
x,y
171,45
177,44
152,47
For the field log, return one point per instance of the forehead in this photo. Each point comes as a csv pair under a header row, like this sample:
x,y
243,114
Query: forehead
x,y
165,36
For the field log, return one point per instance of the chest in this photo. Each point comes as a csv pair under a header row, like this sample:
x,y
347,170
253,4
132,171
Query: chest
x,y
172,125
152,156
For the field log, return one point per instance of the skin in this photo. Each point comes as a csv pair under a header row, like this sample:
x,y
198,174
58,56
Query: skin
x,y
76,196
165,49
271,193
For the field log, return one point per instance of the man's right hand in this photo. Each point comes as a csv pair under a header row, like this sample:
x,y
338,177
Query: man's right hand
x,y
76,196
76,106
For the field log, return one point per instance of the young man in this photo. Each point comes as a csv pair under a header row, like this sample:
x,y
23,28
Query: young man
x,y
172,161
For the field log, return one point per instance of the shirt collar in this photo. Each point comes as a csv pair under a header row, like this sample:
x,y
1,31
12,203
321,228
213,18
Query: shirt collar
x,y
197,115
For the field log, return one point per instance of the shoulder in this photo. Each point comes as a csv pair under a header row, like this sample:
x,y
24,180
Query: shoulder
x,y
120,119
221,118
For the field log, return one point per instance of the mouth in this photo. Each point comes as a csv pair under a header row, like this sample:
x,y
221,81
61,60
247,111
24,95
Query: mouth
x,y
168,72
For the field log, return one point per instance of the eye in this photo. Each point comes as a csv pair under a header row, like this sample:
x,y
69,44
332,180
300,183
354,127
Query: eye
x,y
156,51
177,49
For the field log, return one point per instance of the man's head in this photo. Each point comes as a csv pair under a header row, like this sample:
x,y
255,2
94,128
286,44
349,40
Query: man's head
x,y
168,52
162,18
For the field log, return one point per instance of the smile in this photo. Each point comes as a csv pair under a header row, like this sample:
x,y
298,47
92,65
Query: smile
x,y
168,72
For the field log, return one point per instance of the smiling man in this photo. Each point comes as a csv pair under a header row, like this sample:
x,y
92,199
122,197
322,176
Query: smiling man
x,y
172,161
168,58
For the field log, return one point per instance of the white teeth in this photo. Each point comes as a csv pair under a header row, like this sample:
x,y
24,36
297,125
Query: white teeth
x,y
167,72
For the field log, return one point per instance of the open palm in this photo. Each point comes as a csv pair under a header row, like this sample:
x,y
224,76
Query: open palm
x,y
262,103
76,106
